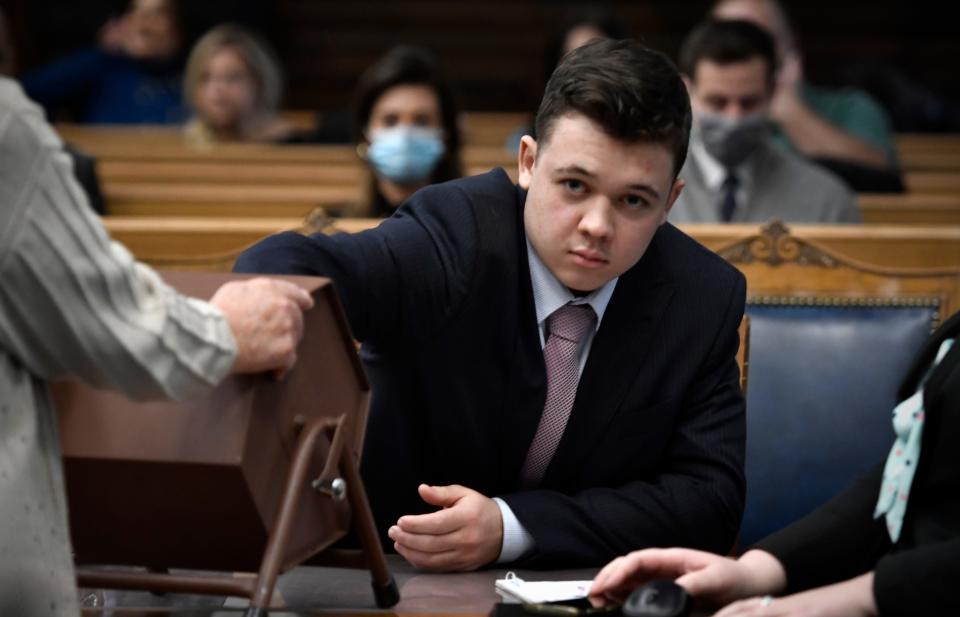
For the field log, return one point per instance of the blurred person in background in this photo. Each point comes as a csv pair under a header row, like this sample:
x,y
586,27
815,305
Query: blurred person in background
x,y
405,128
132,77
578,29
84,165
233,84
844,130
735,171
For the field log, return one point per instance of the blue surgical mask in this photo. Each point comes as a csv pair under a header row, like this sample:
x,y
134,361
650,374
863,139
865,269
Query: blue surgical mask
x,y
405,154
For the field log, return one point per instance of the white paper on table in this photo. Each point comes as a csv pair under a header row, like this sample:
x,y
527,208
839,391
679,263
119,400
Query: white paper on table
x,y
542,591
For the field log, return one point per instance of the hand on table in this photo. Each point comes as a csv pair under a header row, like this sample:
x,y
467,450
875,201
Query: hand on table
x,y
709,578
465,534
853,598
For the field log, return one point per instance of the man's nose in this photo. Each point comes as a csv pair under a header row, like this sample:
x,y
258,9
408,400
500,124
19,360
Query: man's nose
x,y
735,111
597,220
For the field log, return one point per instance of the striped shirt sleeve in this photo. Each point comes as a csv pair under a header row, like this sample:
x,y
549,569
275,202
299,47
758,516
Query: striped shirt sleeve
x,y
72,301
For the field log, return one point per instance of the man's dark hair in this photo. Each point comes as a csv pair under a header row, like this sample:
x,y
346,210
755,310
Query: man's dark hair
x,y
634,93
728,41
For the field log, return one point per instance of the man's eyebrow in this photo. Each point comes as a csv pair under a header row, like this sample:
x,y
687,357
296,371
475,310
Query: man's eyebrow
x,y
574,169
645,188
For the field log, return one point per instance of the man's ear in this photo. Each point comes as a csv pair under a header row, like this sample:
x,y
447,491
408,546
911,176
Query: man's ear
x,y
526,159
672,197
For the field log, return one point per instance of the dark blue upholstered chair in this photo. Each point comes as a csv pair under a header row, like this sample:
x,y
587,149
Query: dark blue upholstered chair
x,y
821,390
830,340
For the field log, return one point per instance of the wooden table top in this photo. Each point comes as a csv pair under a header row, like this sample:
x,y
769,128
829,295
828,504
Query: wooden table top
x,y
332,591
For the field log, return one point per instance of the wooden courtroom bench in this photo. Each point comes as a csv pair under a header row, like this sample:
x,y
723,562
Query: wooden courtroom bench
x,y
151,172
880,245
130,171
114,171
911,208
223,200
203,243
483,132
478,128
930,152
300,119
147,148
933,181
213,243
492,128
238,198
155,143
790,261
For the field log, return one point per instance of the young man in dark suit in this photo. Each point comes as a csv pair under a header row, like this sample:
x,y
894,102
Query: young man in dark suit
x,y
553,365
887,546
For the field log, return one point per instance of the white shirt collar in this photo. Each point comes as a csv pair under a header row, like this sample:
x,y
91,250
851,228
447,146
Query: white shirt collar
x,y
714,173
549,294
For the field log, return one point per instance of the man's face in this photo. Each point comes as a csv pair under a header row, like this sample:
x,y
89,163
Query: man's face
x,y
731,90
593,202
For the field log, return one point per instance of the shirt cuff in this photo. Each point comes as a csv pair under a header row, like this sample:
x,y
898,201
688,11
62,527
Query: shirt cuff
x,y
517,541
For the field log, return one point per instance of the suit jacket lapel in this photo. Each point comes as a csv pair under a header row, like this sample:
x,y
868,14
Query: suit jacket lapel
x,y
618,353
526,373
933,390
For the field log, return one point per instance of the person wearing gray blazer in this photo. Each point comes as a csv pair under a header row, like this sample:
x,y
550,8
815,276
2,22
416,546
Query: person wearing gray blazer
x,y
774,183
735,172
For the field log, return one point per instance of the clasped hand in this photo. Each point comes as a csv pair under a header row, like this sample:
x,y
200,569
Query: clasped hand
x,y
464,534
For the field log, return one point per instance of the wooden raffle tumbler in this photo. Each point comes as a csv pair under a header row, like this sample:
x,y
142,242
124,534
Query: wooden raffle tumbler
x,y
257,476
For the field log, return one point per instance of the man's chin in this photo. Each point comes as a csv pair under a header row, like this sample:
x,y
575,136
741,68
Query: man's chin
x,y
579,293
583,285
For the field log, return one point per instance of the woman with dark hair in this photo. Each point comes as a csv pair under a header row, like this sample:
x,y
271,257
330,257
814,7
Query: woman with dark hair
x,y
405,128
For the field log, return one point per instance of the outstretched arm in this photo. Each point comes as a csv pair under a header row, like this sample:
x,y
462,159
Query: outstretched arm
x,y
72,302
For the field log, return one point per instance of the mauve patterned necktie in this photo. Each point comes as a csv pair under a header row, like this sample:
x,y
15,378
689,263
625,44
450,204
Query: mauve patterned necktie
x,y
567,326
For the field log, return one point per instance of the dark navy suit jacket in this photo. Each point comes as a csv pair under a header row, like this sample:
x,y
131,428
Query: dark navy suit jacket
x,y
917,575
440,295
